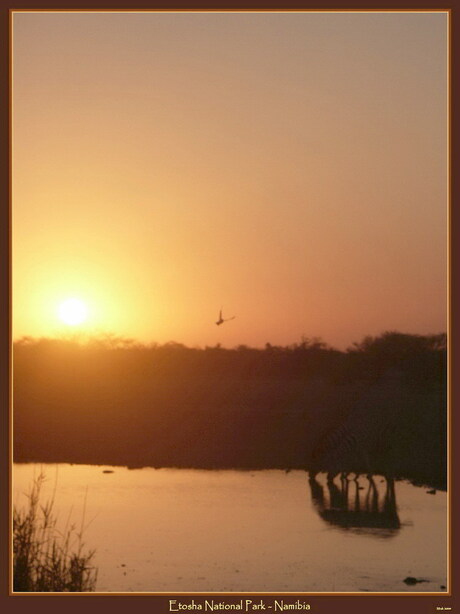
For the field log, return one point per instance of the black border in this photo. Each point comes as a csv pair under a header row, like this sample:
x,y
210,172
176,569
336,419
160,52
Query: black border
x,y
154,603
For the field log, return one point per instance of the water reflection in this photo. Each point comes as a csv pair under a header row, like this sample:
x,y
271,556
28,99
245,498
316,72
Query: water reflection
x,y
185,530
348,503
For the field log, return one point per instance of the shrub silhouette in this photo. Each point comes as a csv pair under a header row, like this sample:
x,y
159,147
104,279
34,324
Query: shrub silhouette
x,y
113,401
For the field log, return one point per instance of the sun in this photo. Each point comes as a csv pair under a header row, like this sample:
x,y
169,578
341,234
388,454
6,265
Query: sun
x,y
73,311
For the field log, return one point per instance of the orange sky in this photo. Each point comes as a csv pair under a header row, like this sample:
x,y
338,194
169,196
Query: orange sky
x,y
291,168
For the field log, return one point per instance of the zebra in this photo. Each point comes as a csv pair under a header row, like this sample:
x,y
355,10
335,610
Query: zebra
x,y
343,449
350,446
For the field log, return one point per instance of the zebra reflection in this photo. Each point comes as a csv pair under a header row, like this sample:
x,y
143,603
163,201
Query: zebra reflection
x,y
345,503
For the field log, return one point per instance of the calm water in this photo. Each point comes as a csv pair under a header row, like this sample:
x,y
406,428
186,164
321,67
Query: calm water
x,y
179,530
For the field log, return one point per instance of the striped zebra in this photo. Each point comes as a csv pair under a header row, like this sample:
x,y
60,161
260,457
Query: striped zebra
x,y
352,445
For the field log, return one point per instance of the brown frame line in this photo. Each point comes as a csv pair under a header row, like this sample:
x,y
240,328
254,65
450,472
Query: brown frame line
x,y
441,594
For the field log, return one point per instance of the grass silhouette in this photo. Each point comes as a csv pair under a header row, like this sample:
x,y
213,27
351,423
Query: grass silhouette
x,y
44,558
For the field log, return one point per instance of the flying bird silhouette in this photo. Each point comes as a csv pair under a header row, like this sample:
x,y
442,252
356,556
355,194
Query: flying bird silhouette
x,y
221,320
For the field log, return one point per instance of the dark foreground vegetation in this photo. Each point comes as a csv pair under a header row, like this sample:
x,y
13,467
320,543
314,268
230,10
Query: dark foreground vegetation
x,y
45,558
112,401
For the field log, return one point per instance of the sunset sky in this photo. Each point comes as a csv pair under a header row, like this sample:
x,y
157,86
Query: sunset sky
x,y
291,168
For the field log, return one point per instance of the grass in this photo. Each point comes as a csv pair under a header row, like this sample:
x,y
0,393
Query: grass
x,y
46,559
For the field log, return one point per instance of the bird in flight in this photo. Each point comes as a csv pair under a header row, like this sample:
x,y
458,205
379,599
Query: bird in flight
x,y
221,320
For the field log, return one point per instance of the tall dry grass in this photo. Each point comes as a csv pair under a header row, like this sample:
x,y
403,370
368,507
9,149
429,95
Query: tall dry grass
x,y
46,559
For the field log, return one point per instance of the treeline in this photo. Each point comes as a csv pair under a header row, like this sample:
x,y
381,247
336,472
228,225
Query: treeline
x,y
110,400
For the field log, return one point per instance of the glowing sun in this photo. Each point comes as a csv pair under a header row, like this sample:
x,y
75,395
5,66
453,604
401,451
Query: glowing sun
x,y
73,311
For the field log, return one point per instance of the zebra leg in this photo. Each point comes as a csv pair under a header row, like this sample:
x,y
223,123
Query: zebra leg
x,y
366,461
372,496
357,505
